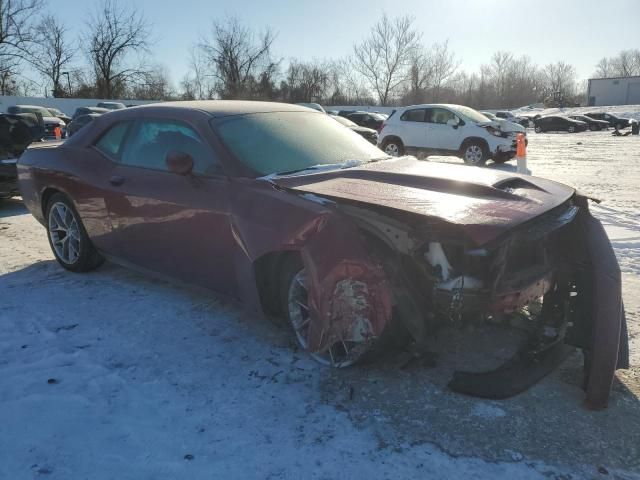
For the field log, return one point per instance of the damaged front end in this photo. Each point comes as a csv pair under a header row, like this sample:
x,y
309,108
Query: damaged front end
x,y
557,275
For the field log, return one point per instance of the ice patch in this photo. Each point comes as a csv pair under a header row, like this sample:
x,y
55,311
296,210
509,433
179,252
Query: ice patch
x,y
486,410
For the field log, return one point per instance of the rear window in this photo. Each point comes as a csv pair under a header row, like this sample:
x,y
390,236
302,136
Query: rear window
x,y
416,115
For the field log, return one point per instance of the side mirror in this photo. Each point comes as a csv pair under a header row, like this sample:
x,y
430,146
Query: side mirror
x,y
454,122
179,163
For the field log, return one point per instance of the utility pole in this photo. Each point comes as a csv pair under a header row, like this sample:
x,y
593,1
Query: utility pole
x,y
68,81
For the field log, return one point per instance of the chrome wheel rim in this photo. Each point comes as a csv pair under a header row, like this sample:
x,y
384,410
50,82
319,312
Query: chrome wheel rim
x,y
340,354
392,149
64,233
473,154
538,129
571,129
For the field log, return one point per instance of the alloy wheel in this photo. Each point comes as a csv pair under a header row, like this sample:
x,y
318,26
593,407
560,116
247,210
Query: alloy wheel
x,y
341,354
64,233
392,149
473,154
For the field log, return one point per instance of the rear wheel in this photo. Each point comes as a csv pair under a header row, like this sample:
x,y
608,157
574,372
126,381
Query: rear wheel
x,y
474,153
393,147
571,129
295,306
67,237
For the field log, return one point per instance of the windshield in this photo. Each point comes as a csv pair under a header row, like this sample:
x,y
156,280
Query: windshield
x,y
345,121
280,142
470,113
489,115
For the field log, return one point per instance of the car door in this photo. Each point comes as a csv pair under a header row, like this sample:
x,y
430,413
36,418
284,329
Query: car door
x,y
413,128
176,225
441,135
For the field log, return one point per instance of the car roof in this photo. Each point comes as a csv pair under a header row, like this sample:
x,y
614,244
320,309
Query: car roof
x,y
224,108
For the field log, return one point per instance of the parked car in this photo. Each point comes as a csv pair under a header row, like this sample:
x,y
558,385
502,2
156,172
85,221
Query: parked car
x,y
558,123
111,105
367,119
88,110
290,212
592,123
449,130
315,106
51,122
57,113
80,122
613,120
16,133
367,133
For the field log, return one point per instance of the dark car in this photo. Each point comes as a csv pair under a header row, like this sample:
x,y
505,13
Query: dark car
x,y
592,123
16,133
298,217
88,110
366,119
557,123
53,125
613,120
80,122
368,133
111,105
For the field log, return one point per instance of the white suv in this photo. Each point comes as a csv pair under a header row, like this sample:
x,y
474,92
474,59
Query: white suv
x,y
449,129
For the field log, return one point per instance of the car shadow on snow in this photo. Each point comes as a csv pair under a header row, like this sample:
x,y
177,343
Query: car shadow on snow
x,y
12,207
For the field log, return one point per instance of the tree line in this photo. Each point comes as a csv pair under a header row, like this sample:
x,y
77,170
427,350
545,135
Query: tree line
x,y
392,65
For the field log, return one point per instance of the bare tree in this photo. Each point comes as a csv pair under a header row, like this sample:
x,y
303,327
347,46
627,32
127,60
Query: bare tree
x,y
154,84
52,53
240,60
16,37
559,82
115,32
305,81
384,58
625,64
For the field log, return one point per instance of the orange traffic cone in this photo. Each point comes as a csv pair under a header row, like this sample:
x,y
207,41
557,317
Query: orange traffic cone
x,y
521,153
58,133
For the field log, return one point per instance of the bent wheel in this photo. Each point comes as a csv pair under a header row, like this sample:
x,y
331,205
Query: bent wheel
x,y
339,355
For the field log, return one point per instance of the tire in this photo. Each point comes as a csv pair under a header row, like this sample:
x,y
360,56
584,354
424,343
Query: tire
x,y
68,238
538,129
293,298
393,147
571,129
474,153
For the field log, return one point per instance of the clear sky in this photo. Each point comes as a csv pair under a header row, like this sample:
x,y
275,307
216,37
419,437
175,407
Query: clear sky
x,y
580,32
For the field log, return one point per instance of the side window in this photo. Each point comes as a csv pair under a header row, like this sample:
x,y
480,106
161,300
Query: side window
x,y
416,115
441,116
110,142
151,141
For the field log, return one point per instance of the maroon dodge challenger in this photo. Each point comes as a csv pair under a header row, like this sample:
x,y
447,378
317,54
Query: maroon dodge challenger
x,y
301,218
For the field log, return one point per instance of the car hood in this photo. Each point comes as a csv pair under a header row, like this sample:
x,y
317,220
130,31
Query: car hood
x,y
504,125
52,121
484,202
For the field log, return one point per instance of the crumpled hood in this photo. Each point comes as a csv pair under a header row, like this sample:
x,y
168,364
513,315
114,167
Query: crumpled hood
x,y
484,202
504,125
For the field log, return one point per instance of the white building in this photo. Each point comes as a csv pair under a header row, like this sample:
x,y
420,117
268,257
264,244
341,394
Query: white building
x,y
614,91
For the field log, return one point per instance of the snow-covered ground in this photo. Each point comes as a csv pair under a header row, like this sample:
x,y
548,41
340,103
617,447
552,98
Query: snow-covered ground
x,y
116,375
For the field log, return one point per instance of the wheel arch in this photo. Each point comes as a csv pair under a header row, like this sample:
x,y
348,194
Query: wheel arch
x,y
267,271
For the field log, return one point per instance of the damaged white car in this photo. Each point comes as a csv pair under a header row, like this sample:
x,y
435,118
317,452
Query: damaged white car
x,y
450,130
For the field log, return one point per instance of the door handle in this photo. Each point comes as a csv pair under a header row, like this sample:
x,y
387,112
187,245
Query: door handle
x,y
116,180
